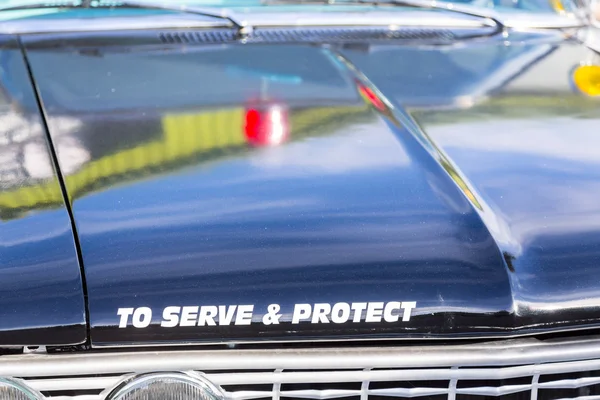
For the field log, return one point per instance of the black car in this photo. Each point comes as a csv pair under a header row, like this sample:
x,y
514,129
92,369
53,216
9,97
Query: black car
x,y
291,200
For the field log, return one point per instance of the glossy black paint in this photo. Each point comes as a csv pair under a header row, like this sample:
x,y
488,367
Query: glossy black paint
x,y
175,206
537,169
41,294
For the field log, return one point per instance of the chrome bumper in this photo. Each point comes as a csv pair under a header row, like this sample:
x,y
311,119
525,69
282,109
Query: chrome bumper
x,y
529,367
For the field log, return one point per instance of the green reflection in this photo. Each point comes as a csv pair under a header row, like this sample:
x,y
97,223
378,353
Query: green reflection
x,y
516,107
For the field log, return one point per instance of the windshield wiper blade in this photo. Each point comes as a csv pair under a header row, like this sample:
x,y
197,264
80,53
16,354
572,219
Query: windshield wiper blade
x,y
241,27
424,4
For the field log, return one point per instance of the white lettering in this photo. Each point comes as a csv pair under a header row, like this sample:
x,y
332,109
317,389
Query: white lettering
x,y
301,312
142,317
320,313
388,312
374,312
226,314
244,315
170,317
207,316
358,308
223,315
189,316
124,313
408,307
340,313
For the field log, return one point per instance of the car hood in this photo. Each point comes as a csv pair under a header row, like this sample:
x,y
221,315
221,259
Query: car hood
x,y
289,191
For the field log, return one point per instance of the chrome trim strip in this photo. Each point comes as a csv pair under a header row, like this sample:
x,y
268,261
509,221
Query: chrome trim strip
x,y
499,353
243,29
258,374
517,20
246,378
391,18
464,9
33,26
73,384
387,17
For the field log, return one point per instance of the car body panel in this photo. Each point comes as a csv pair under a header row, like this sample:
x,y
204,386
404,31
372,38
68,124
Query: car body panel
x,y
41,292
182,203
537,168
526,146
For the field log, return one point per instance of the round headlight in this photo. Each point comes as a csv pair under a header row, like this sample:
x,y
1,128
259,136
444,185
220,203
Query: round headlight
x,y
14,390
166,386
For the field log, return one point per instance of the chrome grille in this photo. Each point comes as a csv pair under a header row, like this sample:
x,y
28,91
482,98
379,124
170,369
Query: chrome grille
x,y
510,370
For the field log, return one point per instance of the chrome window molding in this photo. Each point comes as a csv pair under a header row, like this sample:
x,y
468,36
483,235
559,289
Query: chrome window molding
x,y
413,18
357,371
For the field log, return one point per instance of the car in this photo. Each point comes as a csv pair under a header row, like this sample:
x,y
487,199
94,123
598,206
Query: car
x,y
298,200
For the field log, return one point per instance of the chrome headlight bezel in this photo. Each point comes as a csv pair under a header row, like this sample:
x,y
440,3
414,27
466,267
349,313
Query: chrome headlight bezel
x,y
21,387
192,378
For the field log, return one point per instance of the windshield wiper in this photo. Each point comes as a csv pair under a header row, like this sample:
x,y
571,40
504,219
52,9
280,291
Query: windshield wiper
x,y
241,27
423,4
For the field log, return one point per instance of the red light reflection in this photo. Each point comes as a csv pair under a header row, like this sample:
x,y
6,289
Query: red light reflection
x,y
267,125
371,97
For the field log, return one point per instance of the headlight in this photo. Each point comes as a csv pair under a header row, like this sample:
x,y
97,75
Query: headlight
x,y
14,390
166,386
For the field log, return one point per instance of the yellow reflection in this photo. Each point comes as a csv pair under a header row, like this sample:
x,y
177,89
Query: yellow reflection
x,y
186,138
460,181
586,78
558,6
